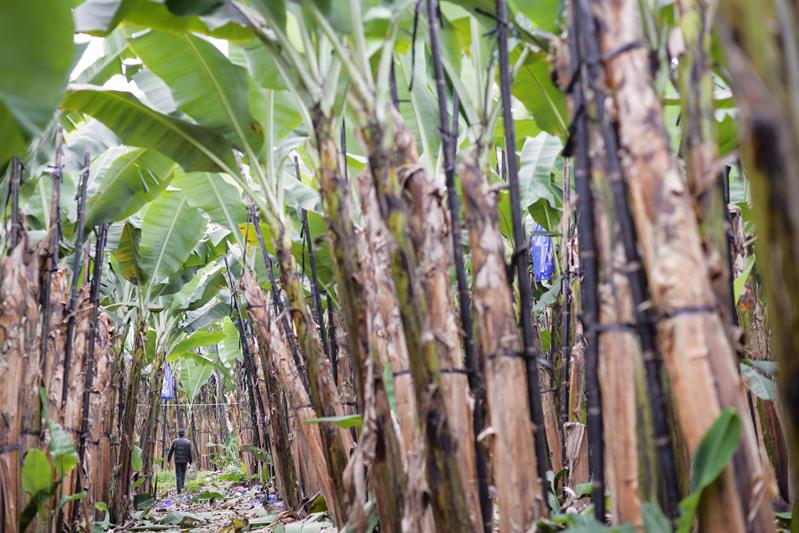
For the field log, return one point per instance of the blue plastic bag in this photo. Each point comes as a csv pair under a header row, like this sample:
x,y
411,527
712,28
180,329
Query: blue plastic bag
x,y
543,254
168,386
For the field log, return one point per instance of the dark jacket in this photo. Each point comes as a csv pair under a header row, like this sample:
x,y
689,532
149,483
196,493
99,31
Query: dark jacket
x,y
181,447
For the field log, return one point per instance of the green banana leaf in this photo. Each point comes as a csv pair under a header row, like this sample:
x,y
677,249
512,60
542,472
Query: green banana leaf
x,y
127,254
535,172
534,88
171,229
99,17
204,83
220,200
36,56
191,146
199,338
230,349
195,371
115,49
129,178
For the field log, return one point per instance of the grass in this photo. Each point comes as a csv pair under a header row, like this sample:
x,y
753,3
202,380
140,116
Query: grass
x,y
166,479
198,483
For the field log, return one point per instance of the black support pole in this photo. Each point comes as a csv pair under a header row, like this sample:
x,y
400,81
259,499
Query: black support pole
x,y
522,253
588,285
88,375
277,303
317,299
566,310
331,330
52,260
635,274
72,303
13,192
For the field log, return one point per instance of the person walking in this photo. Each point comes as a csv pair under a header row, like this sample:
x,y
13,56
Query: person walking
x,y
181,448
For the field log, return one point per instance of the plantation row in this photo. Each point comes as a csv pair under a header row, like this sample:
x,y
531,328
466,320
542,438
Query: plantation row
x,y
424,266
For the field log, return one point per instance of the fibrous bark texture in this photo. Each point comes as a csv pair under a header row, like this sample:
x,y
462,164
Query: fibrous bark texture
x,y
19,313
429,227
278,419
521,500
697,353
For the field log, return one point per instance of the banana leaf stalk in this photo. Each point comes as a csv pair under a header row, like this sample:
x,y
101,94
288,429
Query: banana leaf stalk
x,y
449,136
521,253
589,282
88,376
73,293
638,288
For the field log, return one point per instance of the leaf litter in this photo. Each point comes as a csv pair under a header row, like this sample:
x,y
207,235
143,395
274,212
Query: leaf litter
x,y
227,507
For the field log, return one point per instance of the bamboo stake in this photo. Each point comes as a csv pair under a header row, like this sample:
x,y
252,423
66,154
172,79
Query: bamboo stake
x,y
277,303
88,376
644,318
51,263
73,293
317,300
332,339
566,290
256,402
16,177
449,135
589,283
521,253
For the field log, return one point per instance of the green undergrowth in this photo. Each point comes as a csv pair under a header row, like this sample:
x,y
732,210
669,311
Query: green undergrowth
x,y
166,479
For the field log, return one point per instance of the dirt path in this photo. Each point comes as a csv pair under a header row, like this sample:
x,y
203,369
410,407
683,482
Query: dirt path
x,y
222,506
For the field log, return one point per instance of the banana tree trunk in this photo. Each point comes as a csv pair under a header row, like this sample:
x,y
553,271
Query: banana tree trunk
x,y
698,356
150,435
323,392
298,400
521,497
387,324
760,43
121,491
102,415
429,230
448,500
619,350
18,295
286,472
387,474
390,325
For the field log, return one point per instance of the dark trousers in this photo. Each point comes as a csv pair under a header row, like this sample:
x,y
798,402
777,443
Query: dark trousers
x,y
180,475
